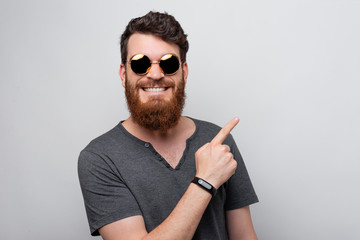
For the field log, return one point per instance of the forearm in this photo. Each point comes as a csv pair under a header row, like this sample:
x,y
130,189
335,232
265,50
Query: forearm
x,y
184,219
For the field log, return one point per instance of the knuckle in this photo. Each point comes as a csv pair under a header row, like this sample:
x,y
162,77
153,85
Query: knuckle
x,y
229,155
234,163
223,149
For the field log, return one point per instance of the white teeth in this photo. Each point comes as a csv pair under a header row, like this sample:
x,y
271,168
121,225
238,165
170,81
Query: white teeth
x,y
154,89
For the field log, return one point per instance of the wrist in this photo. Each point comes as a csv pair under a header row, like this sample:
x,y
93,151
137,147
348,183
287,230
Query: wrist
x,y
204,185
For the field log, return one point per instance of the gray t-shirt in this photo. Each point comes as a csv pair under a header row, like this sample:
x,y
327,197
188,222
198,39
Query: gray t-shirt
x,y
122,176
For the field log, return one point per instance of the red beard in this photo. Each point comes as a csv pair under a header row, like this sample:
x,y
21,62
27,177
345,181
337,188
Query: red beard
x,y
156,114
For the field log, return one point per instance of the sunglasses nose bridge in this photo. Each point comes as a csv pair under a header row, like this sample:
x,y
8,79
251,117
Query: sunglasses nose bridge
x,y
155,72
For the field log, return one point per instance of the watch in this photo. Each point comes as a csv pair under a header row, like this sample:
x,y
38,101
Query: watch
x,y
205,185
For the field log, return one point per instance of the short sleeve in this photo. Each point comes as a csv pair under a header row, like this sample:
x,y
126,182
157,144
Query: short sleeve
x,y
106,197
239,189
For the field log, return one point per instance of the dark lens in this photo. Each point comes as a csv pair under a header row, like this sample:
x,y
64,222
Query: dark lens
x,y
140,64
169,64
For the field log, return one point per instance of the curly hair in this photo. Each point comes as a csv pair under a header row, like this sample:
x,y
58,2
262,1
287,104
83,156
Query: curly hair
x,y
161,25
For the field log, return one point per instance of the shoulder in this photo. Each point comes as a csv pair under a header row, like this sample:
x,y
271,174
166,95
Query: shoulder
x,y
104,145
115,138
206,125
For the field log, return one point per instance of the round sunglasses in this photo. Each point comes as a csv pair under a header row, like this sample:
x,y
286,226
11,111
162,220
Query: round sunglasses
x,y
141,64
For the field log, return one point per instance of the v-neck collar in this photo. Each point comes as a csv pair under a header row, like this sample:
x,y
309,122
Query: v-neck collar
x,y
149,146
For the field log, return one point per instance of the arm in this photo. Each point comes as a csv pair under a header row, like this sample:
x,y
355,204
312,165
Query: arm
x,y
239,224
215,164
181,223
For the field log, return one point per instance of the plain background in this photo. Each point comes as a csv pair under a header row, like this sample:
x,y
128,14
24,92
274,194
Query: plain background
x,y
289,69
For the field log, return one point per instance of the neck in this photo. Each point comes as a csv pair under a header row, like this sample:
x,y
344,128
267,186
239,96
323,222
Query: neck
x,y
149,135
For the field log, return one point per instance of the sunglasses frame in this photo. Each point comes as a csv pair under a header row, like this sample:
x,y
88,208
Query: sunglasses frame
x,y
155,62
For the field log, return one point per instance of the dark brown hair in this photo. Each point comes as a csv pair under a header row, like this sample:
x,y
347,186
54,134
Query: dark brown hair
x,y
161,25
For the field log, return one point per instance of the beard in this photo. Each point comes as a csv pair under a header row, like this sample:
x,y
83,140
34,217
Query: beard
x,y
156,113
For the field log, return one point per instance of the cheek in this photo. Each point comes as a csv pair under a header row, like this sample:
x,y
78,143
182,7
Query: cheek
x,y
130,82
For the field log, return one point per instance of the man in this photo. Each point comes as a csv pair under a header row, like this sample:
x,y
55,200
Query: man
x,y
160,175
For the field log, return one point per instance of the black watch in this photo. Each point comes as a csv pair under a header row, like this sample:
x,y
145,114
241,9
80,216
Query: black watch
x,y
205,185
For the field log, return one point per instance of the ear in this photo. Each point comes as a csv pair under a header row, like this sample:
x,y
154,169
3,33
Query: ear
x,y
185,70
122,73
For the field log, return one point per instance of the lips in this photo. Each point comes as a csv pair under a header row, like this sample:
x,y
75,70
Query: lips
x,y
155,86
154,89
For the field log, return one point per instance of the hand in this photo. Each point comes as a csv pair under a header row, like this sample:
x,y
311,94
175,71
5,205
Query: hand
x,y
214,161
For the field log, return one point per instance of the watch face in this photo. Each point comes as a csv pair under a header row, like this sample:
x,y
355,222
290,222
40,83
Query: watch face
x,y
205,184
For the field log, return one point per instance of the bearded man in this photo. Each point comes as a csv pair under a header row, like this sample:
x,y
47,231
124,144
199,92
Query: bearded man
x,y
158,174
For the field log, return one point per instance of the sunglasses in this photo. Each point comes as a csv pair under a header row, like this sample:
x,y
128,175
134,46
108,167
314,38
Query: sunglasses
x,y
141,64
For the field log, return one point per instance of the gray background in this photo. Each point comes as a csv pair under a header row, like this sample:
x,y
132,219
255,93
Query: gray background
x,y
289,69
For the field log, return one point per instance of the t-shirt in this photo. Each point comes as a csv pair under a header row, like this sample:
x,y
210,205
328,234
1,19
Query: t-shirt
x,y
122,176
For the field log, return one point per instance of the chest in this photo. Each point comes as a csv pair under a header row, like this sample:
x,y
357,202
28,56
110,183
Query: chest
x,y
158,189
172,152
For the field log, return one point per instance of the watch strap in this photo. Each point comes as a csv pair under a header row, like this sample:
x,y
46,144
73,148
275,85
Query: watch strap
x,y
205,185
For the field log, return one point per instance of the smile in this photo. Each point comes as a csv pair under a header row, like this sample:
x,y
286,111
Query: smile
x,y
154,89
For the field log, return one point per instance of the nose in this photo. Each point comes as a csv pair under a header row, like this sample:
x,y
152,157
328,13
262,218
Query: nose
x,y
155,72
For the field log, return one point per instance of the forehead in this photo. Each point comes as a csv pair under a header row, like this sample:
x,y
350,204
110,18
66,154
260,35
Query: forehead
x,y
150,45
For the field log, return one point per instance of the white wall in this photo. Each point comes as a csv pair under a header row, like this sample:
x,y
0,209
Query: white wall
x,y
289,69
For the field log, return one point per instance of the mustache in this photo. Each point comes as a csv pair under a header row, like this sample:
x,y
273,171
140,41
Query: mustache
x,y
152,83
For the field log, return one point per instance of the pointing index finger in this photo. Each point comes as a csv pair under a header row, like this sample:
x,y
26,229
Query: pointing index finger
x,y
225,131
